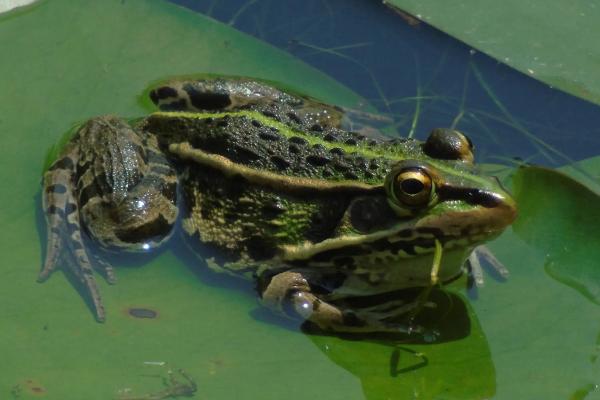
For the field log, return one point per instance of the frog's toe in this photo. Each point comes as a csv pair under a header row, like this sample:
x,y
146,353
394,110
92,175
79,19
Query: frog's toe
x,y
475,268
53,250
81,266
106,269
64,231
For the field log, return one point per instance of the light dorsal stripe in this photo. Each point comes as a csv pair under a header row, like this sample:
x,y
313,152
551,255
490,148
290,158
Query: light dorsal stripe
x,y
292,184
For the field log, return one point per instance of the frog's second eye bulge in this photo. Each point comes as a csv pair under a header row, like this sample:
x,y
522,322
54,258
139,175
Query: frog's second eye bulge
x,y
412,187
448,144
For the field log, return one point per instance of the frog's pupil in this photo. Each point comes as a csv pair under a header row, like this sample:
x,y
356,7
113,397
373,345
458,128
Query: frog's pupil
x,y
412,186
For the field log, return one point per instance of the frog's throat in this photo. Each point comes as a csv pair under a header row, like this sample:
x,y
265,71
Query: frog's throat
x,y
290,184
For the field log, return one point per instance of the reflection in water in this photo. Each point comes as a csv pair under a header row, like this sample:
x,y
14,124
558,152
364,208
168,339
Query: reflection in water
x,y
421,77
457,365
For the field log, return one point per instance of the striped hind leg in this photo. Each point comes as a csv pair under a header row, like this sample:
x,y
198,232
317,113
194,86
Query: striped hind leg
x,y
64,230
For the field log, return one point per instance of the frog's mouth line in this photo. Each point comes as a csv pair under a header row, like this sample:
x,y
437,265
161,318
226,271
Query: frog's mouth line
x,y
459,228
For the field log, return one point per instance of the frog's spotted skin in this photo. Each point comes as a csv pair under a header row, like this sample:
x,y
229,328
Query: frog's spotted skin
x,y
125,197
64,229
276,191
221,94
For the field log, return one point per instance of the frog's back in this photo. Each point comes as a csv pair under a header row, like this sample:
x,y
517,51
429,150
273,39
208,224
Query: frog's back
x,y
281,146
268,174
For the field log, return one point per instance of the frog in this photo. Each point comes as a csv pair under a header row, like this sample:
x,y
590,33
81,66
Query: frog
x,y
273,186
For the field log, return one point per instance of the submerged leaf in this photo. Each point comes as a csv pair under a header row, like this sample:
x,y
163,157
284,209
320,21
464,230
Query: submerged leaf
x,y
402,369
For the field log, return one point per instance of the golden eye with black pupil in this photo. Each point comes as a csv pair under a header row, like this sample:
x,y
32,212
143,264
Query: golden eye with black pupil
x,y
412,187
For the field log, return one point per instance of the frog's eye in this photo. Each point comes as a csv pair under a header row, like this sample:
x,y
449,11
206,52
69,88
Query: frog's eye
x,y
412,187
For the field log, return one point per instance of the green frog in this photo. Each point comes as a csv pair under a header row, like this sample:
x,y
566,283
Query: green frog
x,y
272,186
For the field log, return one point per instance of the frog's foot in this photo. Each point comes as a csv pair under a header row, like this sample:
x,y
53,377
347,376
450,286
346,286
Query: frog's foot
x,y
64,230
476,270
289,293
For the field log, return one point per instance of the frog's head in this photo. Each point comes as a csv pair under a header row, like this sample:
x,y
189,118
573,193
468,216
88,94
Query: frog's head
x,y
444,193
433,191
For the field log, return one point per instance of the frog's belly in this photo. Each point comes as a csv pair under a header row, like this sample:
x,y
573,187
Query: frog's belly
x,y
372,276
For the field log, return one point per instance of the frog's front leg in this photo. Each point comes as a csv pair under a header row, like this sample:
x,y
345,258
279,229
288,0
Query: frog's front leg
x,y
290,294
113,184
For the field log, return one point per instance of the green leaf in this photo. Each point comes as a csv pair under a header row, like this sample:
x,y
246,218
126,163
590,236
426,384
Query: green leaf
x,y
560,217
546,40
61,64
401,369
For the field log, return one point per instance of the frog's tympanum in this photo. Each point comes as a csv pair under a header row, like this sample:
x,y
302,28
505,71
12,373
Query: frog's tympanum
x,y
268,185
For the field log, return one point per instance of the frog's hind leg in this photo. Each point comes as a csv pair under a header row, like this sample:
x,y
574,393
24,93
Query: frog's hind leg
x,y
218,94
234,94
64,229
290,294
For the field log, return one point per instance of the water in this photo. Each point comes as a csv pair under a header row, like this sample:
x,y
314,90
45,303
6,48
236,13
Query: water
x,y
528,337
400,68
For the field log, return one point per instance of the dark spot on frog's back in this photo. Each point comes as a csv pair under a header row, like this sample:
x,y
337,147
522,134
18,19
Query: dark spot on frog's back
x,y
177,105
330,137
294,117
298,140
280,162
269,135
341,166
350,176
161,93
317,160
207,100
337,151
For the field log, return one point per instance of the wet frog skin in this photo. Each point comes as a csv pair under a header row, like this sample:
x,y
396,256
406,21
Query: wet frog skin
x,y
269,185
